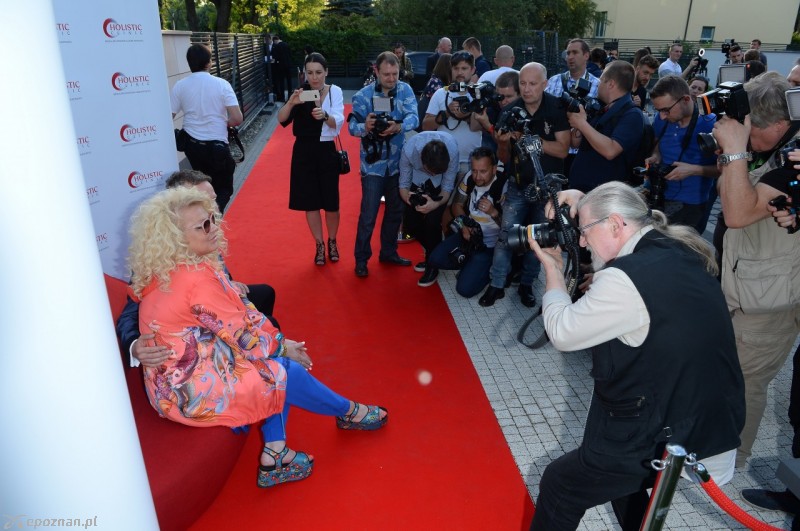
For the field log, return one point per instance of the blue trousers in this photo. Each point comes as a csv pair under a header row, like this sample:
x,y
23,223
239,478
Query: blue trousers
x,y
516,210
372,188
474,273
305,391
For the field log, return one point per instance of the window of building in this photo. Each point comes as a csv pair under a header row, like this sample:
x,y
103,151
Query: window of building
x,y
707,35
600,24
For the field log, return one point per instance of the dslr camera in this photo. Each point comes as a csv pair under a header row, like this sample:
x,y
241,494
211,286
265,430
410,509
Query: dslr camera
x,y
656,174
466,247
515,119
483,96
579,95
382,122
702,64
562,231
729,99
418,193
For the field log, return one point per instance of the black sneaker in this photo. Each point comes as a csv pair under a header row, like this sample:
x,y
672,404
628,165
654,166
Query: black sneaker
x,y
420,267
428,278
771,500
526,296
361,270
491,295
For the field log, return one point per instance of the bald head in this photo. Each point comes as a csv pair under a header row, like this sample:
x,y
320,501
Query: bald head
x,y
794,76
445,45
504,56
533,69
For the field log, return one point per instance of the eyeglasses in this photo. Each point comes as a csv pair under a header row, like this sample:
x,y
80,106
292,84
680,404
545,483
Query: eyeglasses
x,y
666,111
583,229
206,226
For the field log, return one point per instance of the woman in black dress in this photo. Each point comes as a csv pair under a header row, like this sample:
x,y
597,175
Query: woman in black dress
x,y
314,184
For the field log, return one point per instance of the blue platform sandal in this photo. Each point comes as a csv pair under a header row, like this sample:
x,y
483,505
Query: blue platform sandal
x,y
298,468
371,421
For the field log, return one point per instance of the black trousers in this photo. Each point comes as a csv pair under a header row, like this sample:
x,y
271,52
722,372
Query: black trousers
x,y
570,486
283,80
214,159
427,228
263,298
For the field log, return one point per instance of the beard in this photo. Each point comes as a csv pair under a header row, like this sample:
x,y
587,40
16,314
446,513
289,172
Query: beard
x,y
597,262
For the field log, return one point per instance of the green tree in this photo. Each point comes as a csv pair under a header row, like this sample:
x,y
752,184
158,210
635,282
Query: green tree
x,y
349,7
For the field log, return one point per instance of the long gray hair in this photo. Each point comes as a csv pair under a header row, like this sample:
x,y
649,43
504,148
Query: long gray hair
x,y
619,198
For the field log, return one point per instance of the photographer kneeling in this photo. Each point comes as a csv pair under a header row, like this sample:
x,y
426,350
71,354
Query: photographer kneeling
x,y
476,226
658,326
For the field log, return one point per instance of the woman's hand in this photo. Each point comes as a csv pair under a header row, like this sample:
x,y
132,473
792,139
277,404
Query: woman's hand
x,y
294,99
297,351
318,113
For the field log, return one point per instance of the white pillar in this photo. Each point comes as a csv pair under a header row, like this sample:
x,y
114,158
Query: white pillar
x,y
68,442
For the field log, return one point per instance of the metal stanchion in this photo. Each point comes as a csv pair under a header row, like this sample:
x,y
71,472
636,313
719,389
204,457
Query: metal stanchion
x,y
669,471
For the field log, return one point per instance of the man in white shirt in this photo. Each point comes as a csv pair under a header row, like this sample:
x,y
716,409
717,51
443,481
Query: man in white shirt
x,y
658,325
209,107
670,67
444,112
504,59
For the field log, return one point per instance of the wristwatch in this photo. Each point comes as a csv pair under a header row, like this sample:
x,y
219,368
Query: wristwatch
x,y
326,116
726,158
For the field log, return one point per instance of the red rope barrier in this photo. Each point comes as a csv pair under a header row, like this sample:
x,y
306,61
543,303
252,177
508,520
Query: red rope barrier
x,y
721,499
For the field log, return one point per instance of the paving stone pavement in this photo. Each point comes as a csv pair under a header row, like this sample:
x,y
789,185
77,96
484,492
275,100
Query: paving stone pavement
x,y
541,399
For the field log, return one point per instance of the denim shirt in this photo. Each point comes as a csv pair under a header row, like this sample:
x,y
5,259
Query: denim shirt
x,y
404,108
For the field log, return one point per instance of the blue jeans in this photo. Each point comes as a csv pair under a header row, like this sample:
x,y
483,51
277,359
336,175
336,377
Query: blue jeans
x,y
474,273
305,391
372,188
516,210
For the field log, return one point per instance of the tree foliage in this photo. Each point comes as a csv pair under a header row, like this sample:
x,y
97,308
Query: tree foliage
x,y
570,18
346,8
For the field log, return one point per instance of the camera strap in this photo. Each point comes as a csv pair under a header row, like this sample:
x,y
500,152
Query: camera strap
x,y
687,137
450,113
565,77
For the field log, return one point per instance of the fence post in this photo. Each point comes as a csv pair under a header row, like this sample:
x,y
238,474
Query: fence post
x,y
669,467
216,53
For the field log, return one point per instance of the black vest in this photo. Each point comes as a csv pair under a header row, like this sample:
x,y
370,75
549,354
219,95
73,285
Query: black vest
x,y
683,384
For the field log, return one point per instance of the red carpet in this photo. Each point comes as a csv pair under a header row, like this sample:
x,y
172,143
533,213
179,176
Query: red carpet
x,y
442,461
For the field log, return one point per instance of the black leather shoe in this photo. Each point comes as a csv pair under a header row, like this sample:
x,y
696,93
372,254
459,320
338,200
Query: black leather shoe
x,y
396,260
491,295
526,296
771,500
361,270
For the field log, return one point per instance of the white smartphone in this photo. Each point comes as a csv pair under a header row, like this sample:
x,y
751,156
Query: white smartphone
x,y
309,95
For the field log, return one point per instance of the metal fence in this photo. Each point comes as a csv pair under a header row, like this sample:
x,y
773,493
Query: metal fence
x,y
239,59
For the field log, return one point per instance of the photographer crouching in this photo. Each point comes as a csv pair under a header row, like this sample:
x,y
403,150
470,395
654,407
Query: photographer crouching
x,y
477,207
428,168
760,259
658,327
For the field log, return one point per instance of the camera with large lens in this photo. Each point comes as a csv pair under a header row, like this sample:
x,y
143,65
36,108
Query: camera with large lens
x,y
417,193
382,122
528,147
729,99
656,174
515,119
550,234
466,246
483,95
578,95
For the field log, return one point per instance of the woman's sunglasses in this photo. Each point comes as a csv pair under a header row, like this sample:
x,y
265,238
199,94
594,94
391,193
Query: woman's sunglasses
x,y
206,226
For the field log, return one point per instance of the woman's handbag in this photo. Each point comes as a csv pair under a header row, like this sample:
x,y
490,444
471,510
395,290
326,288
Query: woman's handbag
x,y
344,159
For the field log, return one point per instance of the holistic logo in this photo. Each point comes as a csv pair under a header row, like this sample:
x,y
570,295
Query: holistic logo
x,y
84,145
114,29
102,241
136,134
137,179
122,82
73,86
93,194
62,28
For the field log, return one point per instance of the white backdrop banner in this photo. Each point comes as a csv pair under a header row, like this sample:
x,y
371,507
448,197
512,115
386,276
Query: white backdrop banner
x,y
117,84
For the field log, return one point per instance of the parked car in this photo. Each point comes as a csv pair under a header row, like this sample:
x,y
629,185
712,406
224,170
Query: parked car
x,y
418,62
